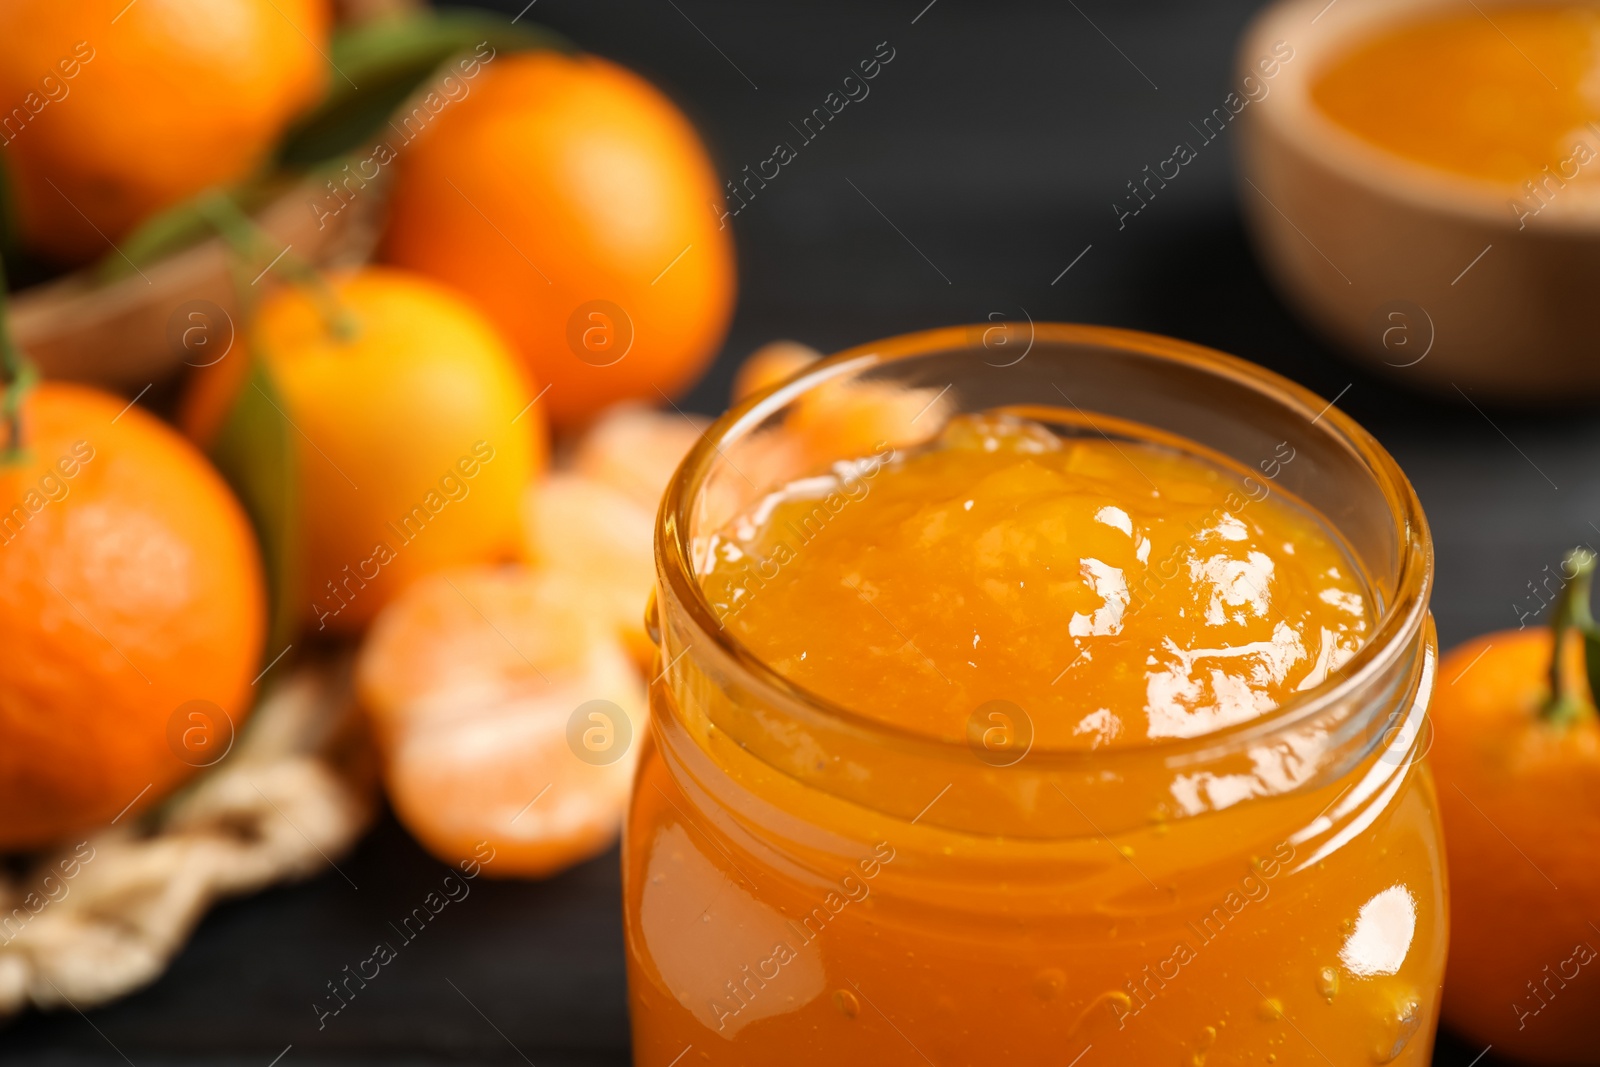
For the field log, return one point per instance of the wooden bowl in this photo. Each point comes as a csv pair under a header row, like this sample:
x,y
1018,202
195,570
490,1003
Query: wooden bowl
x,y
1423,273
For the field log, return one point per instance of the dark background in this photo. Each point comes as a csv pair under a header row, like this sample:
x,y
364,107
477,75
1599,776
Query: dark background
x,y
996,142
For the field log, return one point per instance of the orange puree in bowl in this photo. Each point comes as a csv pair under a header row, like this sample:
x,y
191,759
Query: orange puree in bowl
x,y
1492,92
1115,592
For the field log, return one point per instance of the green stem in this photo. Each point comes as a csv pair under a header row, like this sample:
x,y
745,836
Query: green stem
x,y
1571,612
247,241
19,374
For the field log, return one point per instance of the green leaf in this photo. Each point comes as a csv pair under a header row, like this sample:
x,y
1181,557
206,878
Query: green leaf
x,y
183,224
154,239
1591,660
256,451
378,65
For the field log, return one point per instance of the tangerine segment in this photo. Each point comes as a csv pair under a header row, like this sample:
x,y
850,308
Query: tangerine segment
x,y
505,714
857,417
578,207
599,538
1116,592
769,365
117,110
130,586
635,449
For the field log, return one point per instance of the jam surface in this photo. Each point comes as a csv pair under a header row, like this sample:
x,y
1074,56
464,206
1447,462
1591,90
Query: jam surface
x,y
1116,592
1499,93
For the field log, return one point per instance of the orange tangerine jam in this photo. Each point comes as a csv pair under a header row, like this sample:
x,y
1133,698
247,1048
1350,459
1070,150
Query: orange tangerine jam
x,y
1015,742
1509,94
1116,593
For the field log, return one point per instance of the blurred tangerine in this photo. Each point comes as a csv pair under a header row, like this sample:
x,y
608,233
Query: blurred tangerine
x,y
597,535
113,111
1517,798
416,433
578,206
505,713
769,365
130,586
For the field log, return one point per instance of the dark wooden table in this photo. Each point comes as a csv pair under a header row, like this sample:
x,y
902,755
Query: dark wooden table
x,y
985,160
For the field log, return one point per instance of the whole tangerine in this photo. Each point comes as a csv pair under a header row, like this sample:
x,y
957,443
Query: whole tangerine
x,y
111,111
131,594
1518,766
577,205
416,433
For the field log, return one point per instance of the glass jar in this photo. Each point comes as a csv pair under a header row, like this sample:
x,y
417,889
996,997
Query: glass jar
x,y
804,884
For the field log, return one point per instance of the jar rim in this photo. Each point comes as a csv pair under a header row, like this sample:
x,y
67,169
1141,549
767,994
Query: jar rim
x,y
1401,621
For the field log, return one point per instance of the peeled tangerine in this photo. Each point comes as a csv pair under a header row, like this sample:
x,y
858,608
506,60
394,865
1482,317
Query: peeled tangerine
x,y
595,524
769,365
506,713
636,449
600,538
847,416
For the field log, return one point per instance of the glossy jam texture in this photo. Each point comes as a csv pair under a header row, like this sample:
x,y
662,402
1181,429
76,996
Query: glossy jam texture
x,y
1115,592
1493,92
1122,593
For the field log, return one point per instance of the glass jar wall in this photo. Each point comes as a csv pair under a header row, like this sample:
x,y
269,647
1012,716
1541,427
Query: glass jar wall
x,y
806,883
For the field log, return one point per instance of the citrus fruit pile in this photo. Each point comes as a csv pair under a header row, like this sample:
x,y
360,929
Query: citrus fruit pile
x,y
361,462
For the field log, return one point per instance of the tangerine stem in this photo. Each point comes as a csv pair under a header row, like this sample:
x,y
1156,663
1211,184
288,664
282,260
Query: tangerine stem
x,y
1571,612
19,375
